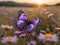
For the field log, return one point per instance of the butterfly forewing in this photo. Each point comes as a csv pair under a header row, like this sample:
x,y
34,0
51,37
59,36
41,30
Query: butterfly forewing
x,y
22,20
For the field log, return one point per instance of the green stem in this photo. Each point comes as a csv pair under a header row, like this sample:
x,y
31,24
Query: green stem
x,y
55,21
6,32
55,43
47,43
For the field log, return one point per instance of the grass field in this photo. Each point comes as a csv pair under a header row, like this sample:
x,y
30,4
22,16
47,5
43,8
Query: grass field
x,y
8,15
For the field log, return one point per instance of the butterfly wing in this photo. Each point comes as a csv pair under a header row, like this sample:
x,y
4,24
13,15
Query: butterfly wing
x,y
32,25
22,16
22,20
36,21
20,24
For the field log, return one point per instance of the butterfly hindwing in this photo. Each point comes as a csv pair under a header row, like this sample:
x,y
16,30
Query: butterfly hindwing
x,y
20,23
30,27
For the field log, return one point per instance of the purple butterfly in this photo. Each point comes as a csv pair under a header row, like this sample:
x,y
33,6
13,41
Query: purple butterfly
x,y
23,22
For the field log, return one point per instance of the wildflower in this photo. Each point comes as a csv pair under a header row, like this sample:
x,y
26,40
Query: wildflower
x,y
42,31
50,15
54,38
7,27
32,34
18,32
48,37
32,42
41,37
57,28
11,39
22,35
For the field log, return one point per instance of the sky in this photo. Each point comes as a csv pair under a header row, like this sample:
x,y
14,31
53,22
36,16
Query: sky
x,y
49,2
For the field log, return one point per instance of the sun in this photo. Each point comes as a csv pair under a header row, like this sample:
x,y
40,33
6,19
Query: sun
x,y
39,1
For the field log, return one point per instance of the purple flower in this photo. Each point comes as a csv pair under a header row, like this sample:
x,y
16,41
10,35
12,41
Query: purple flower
x,y
32,34
18,32
54,38
42,31
7,27
41,37
22,35
11,39
32,42
47,37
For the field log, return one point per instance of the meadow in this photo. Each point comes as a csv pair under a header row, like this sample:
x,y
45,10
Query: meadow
x,y
9,16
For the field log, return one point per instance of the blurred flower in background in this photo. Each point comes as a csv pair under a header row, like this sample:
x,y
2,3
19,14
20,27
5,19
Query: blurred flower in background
x,y
47,37
50,15
7,27
57,28
21,33
18,32
32,42
31,33
11,39
42,31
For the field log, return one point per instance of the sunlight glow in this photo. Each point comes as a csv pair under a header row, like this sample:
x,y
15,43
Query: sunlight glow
x,y
39,1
